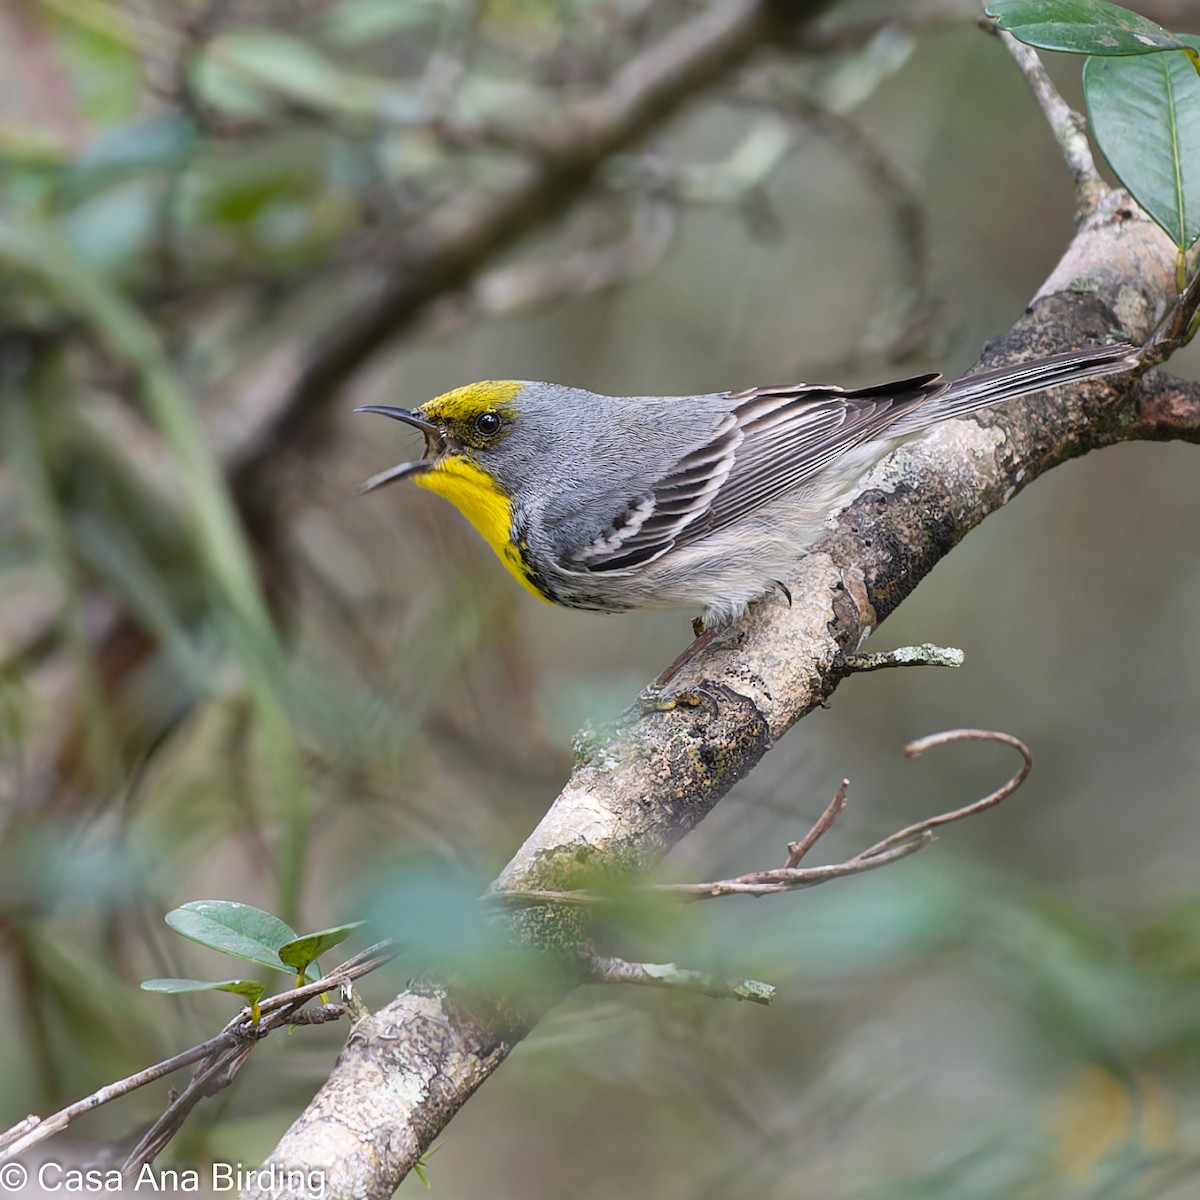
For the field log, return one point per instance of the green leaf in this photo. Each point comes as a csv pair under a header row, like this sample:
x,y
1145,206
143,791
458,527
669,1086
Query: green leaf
x,y
362,22
306,949
1145,116
1081,27
421,1166
249,989
232,928
243,69
156,143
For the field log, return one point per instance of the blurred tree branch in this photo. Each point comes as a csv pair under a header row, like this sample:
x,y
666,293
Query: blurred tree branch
x,y
444,252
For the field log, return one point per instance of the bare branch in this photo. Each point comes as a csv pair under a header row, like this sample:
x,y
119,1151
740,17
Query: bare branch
x,y
897,845
1181,322
604,969
218,1072
822,825
221,1056
924,655
1069,127
917,748
791,877
1168,408
448,250
838,34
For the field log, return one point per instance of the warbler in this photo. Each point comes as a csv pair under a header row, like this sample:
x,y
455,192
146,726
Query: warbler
x,y
613,503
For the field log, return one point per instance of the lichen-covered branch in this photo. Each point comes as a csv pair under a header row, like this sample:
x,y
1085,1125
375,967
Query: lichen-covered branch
x,y
638,787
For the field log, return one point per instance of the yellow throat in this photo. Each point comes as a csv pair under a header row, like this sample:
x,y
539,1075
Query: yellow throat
x,y
469,487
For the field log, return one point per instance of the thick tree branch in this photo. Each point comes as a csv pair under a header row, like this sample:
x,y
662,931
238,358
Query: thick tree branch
x,y
792,877
639,787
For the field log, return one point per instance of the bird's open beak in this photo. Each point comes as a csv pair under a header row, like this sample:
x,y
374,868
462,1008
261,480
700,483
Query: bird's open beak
x,y
435,446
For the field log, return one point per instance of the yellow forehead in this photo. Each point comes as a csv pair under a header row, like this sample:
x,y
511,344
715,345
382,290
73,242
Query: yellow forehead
x,y
467,402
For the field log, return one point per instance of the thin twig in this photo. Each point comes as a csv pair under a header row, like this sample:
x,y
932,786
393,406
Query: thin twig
x,y
1180,325
217,1073
903,322
1068,126
917,748
783,879
838,34
792,878
239,1034
605,969
833,810
925,655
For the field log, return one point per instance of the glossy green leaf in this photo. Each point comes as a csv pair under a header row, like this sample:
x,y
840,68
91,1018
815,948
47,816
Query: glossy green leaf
x,y
1145,116
249,989
306,949
1081,27
237,929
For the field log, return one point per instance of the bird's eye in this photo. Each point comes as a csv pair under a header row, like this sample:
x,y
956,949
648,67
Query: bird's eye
x,y
488,424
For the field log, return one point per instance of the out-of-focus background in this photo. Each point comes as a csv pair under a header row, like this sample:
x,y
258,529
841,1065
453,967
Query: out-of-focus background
x,y
191,197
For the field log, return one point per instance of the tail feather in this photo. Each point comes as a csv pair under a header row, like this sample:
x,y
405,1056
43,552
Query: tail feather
x,y
1007,383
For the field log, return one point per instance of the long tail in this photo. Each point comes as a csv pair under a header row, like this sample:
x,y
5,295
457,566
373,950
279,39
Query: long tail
x,y
1006,383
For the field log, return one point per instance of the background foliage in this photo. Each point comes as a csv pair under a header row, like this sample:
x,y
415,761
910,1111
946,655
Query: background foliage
x,y
191,196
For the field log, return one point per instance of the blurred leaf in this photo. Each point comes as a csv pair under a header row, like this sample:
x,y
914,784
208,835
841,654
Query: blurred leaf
x,y
232,928
112,230
227,91
844,81
1114,1124
237,196
356,22
1081,27
307,948
160,142
1074,976
156,592
42,868
435,913
246,69
1170,942
23,441
1145,116
96,43
288,65
879,923
83,999
241,614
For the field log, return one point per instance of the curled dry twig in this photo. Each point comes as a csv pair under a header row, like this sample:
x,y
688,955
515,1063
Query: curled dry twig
x,y
792,877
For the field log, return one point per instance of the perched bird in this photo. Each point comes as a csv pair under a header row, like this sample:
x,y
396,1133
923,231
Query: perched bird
x,y
612,503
